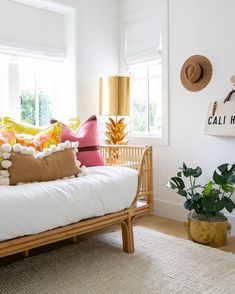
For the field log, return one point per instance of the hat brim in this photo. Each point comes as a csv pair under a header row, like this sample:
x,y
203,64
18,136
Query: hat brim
x,y
206,74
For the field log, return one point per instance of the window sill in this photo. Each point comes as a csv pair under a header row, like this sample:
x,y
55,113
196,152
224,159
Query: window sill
x,y
134,139
147,140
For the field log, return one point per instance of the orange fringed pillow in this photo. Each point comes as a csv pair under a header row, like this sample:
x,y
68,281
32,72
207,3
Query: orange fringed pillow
x,y
7,135
42,140
7,139
24,165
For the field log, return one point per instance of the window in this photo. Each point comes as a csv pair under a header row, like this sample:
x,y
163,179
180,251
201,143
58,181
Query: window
x,y
146,106
38,87
38,60
34,87
144,58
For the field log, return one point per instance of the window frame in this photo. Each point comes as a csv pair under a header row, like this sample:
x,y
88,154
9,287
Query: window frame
x,y
147,80
135,16
71,15
13,64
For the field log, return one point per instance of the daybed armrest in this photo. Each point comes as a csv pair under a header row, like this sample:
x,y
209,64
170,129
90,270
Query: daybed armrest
x,y
139,158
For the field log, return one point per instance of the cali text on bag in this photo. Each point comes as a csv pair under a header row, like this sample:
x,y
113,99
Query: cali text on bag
x,y
220,120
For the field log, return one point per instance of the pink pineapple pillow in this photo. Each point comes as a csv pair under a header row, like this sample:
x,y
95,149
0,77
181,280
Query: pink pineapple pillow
x,y
88,137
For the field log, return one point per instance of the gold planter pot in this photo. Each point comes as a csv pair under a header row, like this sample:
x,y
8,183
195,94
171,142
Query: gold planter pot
x,y
213,234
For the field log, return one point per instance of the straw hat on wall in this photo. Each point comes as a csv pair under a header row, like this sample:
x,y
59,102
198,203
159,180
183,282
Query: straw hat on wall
x,y
196,73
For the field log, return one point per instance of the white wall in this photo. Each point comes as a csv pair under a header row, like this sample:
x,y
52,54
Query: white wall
x,y
195,27
98,49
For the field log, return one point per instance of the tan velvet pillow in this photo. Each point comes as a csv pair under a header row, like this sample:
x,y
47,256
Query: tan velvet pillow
x,y
28,166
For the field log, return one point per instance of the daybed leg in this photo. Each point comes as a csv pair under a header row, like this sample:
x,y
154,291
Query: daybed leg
x,y
26,253
74,239
127,236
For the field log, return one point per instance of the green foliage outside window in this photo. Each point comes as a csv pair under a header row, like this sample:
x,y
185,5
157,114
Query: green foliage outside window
x,y
140,113
28,108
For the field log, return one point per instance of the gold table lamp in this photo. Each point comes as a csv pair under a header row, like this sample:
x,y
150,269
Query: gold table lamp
x,y
115,101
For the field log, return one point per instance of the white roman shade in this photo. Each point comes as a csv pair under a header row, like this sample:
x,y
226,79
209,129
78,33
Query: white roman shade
x,y
143,38
30,30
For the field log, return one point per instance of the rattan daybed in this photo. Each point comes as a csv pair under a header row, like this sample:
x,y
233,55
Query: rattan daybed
x,y
135,157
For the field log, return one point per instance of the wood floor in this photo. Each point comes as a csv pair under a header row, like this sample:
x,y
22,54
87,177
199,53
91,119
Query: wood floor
x,y
164,225
175,228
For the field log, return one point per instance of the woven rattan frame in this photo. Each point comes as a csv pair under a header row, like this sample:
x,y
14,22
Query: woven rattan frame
x,y
136,157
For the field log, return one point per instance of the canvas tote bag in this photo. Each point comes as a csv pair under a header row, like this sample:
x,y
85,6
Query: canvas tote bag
x,y
220,120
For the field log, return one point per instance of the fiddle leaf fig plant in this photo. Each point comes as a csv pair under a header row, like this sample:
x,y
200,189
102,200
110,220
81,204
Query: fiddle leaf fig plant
x,y
208,199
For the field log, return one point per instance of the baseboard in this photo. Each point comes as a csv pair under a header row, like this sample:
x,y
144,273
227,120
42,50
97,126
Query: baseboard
x,y
178,212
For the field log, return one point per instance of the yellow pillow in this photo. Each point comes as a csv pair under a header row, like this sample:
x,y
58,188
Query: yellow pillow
x,y
73,123
0,121
22,127
42,140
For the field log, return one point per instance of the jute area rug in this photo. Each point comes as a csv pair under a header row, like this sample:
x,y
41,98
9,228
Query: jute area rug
x,y
162,264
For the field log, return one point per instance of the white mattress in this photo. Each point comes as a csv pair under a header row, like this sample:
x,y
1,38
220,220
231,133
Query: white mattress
x,y
37,207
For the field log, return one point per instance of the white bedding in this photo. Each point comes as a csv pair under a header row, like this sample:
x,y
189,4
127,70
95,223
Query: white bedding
x,y
37,207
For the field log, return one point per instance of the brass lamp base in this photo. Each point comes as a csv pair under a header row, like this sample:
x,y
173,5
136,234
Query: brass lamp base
x,y
116,132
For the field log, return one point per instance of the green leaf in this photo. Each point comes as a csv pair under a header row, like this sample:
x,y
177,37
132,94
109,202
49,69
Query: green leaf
x,y
228,172
223,168
188,204
196,172
197,196
208,203
218,179
171,185
188,172
184,166
178,182
179,174
207,188
227,188
231,179
182,193
220,205
228,204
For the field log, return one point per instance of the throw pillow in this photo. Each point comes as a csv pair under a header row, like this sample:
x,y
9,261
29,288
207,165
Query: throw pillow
x,y
7,139
88,137
47,137
22,127
73,123
28,166
7,135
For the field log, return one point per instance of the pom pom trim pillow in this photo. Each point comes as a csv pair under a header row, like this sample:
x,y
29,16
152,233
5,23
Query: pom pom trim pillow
x,y
47,137
7,135
88,137
24,164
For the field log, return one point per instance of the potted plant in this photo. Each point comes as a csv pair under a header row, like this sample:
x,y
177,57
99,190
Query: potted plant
x,y
206,223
